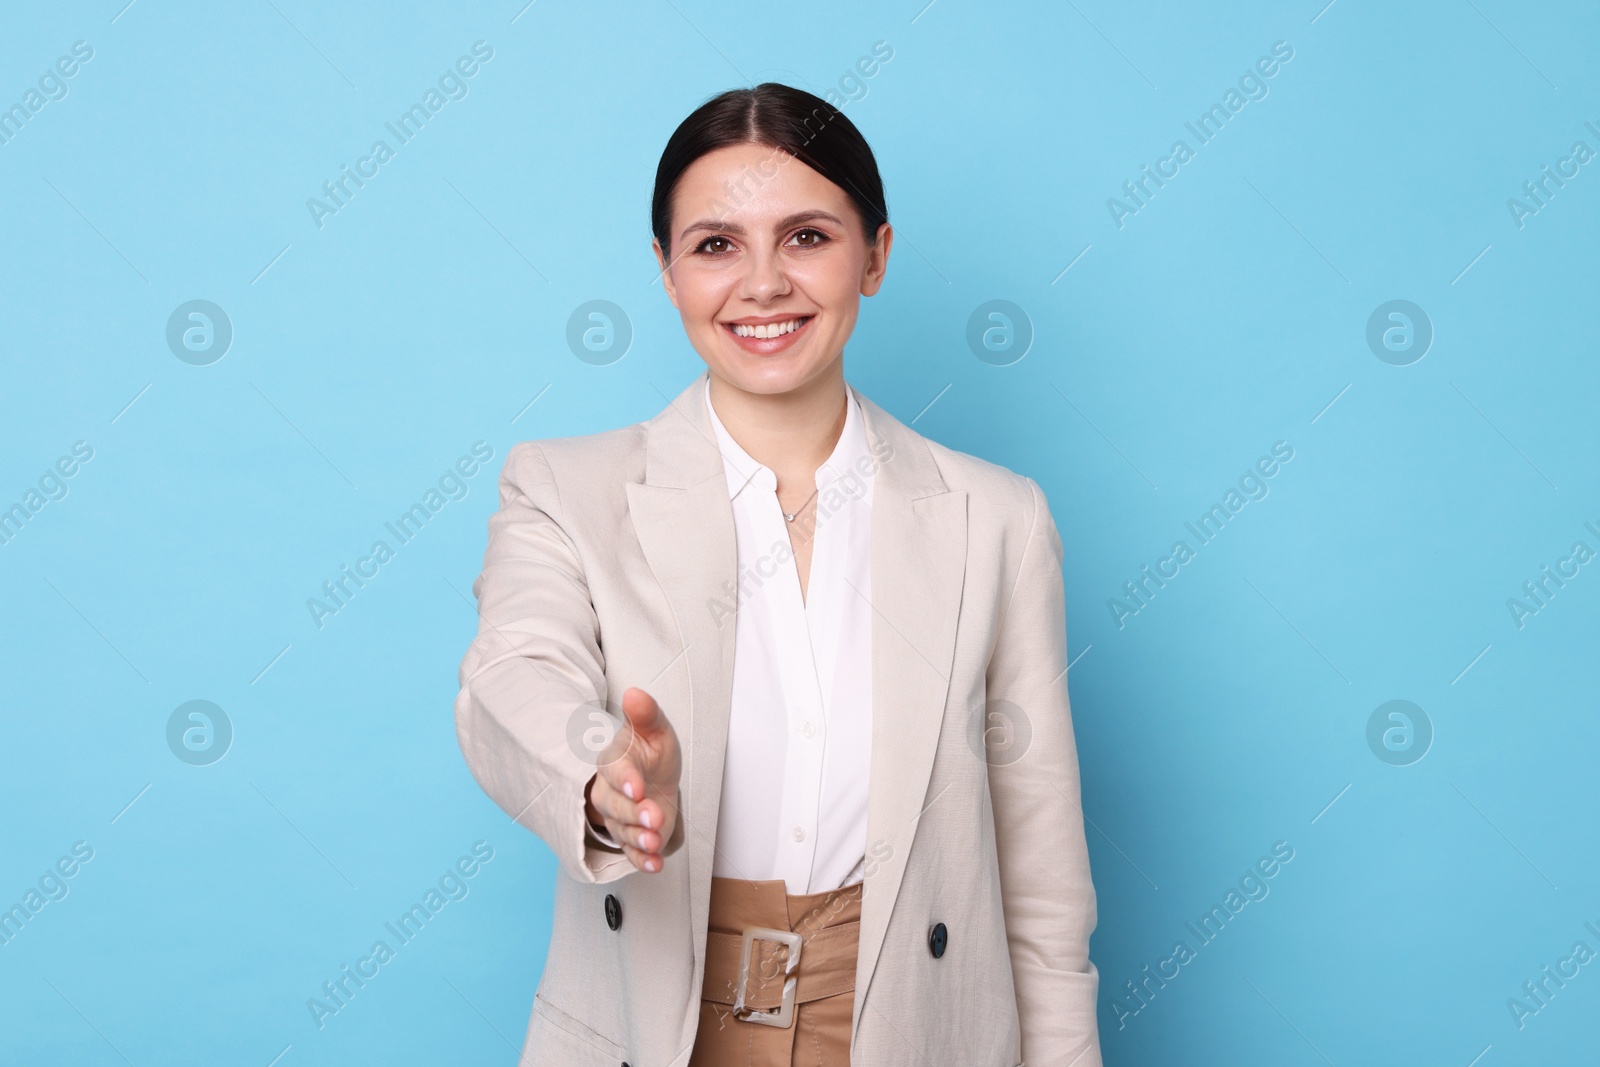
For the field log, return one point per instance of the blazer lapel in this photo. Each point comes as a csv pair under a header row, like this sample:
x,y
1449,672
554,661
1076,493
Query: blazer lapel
x,y
684,523
919,551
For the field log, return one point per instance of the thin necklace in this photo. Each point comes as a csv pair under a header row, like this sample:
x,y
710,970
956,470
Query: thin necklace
x,y
802,507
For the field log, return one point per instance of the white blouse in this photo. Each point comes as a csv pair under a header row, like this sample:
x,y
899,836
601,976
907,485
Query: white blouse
x,y
794,783
796,773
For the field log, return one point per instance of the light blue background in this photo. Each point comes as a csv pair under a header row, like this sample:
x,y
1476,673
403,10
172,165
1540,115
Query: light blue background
x,y
371,353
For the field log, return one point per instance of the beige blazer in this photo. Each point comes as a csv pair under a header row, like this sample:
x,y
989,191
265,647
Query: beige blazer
x,y
611,564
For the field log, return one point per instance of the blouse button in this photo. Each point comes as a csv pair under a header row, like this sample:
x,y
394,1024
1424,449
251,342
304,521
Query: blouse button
x,y
613,911
809,730
799,833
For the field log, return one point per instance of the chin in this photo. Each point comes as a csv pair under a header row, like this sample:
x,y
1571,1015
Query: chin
x,y
769,378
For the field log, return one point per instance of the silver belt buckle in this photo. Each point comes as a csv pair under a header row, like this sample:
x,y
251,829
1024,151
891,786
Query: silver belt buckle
x,y
784,1015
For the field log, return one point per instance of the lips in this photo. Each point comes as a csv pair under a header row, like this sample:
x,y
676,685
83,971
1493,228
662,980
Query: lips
x,y
768,337
767,330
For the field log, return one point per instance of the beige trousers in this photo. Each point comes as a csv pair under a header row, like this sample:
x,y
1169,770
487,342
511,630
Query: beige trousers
x,y
819,1034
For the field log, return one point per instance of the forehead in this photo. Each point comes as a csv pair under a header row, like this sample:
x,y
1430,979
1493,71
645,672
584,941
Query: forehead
x,y
752,183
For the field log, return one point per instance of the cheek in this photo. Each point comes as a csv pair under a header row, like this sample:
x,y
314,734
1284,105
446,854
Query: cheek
x,y
835,284
701,294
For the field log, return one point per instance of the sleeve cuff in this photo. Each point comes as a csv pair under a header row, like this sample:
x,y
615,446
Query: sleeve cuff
x,y
600,838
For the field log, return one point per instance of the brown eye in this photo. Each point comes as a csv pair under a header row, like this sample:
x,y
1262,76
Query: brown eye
x,y
703,247
817,237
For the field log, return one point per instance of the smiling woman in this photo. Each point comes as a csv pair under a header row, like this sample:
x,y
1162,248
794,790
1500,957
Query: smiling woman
x,y
717,834
769,295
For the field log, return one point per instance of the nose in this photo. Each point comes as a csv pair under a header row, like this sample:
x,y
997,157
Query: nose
x,y
764,279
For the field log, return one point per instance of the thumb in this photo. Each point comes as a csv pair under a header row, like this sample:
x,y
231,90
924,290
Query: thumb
x,y
644,714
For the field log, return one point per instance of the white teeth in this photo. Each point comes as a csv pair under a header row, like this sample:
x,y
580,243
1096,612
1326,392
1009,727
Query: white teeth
x,y
775,329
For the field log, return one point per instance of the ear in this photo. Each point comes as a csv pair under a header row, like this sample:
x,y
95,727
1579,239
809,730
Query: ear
x,y
666,273
877,263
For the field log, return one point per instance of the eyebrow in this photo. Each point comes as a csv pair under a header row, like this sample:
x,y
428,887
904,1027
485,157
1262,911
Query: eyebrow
x,y
783,224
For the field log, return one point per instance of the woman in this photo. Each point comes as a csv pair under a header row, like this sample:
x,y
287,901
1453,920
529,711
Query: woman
x,y
834,817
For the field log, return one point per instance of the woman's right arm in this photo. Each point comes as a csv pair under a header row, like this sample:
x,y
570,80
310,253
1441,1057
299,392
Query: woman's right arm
x,y
533,671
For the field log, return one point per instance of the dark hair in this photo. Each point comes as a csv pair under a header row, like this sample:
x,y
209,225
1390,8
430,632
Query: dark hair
x,y
806,126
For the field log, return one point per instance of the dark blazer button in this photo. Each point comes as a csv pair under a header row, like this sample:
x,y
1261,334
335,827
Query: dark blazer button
x,y
937,939
613,912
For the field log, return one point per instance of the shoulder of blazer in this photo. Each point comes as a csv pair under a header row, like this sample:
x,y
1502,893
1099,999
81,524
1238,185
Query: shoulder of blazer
x,y
994,493
989,486
594,468
606,460
1006,513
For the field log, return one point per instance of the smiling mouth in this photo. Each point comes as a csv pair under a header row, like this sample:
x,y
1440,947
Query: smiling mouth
x,y
767,331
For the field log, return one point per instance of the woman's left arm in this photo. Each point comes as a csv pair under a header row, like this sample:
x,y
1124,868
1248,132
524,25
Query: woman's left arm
x,y
1046,891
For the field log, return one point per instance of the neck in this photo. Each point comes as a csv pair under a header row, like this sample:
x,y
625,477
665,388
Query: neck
x,y
790,433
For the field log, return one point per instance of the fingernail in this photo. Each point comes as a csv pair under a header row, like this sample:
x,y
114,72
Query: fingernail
x,y
644,817
627,790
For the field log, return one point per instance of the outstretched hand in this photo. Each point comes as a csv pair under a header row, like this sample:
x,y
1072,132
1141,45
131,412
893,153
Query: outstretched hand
x,y
634,792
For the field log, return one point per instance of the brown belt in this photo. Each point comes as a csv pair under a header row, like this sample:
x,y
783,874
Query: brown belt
x,y
827,967
755,930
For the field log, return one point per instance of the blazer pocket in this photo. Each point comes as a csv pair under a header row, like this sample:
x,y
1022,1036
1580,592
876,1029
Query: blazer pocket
x,y
564,1037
